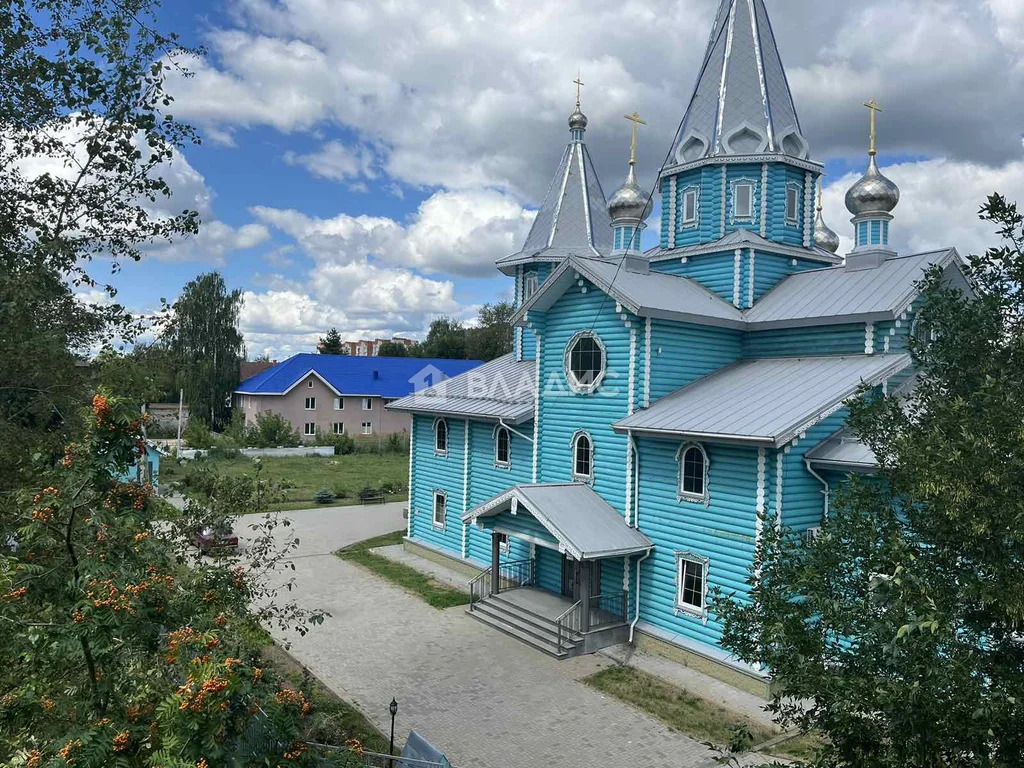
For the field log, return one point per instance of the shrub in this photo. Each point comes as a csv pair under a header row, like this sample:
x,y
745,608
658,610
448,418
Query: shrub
x,y
324,496
271,430
197,434
340,491
391,488
397,442
343,444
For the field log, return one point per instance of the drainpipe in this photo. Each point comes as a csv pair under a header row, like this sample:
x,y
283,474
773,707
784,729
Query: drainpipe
x,y
636,613
823,481
636,524
501,423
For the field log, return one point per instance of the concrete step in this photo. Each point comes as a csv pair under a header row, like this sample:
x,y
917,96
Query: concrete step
x,y
550,648
544,630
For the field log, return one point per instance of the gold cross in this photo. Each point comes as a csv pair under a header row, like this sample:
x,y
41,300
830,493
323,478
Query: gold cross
x,y
875,109
635,119
579,84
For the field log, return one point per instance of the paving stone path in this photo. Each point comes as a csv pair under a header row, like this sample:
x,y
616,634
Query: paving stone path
x,y
484,699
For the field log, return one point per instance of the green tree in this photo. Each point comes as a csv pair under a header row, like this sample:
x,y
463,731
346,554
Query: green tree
x,y
270,430
899,632
492,336
122,644
445,339
394,349
203,335
331,344
84,142
143,375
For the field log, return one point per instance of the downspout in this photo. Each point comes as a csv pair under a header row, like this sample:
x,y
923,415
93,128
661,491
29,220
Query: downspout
x,y
823,481
636,524
501,423
636,610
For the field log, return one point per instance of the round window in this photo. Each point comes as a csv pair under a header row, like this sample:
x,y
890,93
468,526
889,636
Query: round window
x,y
584,362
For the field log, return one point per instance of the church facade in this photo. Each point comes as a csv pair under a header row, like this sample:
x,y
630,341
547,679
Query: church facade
x,y
662,406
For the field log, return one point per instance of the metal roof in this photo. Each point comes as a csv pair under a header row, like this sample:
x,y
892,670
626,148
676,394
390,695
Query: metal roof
x,y
741,104
587,526
845,294
843,450
355,375
647,294
501,390
743,238
765,401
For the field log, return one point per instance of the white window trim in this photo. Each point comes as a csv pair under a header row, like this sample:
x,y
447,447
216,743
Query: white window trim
x,y
309,384
576,386
367,403
503,546
695,221
752,183
531,284
700,612
335,425
433,512
305,429
681,495
339,403
310,403
497,463
793,221
447,437
367,428
572,449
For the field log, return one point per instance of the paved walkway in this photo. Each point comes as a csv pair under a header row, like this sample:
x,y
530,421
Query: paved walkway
x,y
484,699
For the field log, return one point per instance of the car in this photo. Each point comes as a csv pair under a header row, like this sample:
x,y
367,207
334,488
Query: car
x,y
209,539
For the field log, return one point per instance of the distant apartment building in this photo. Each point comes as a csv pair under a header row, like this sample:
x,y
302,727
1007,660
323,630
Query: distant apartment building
x,y
342,394
371,347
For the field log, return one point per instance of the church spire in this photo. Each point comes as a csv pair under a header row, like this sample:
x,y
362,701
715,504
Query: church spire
x,y
630,204
872,199
741,104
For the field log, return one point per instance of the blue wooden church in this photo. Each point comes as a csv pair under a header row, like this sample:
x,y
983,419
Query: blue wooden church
x,y
662,406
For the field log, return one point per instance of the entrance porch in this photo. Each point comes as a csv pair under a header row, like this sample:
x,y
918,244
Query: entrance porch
x,y
571,595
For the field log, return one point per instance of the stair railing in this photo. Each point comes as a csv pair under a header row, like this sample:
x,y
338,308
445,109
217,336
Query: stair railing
x,y
515,573
568,623
479,587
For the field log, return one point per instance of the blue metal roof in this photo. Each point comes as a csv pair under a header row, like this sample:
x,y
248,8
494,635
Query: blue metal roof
x,y
349,374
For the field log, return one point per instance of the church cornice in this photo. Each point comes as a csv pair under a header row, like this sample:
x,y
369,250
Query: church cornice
x,y
807,165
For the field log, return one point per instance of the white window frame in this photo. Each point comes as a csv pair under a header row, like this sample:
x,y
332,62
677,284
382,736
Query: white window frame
x,y
584,388
694,194
309,384
577,436
497,461
691,558
339,403
367,403
749,216
683,495
367,428
309,429
503,542
443,496
338,427
447,437
531,284
310,404
793,220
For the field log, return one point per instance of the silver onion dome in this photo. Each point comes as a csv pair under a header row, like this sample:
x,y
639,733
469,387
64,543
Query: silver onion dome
x,y
629,201
824,237
874,193
577,120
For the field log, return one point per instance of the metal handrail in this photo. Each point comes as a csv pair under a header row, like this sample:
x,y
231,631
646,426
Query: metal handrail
x,y
568,621
515,573
611,605
474,587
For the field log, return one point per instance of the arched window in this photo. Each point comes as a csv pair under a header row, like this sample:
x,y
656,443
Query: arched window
x,y
922,333
502,447
582,457
693,473
584,362
441,437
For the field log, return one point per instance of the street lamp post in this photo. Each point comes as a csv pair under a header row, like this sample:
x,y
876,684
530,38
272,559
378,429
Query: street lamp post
x,y
393,709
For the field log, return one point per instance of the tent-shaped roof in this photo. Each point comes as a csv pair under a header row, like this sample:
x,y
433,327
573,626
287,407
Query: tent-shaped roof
x,y
765,401
583,523
502,389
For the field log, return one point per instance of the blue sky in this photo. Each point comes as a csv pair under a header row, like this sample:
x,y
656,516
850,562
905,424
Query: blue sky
x,y
364,164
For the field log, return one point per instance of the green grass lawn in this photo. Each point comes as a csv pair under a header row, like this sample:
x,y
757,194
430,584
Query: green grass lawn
x,y
303,476
432,591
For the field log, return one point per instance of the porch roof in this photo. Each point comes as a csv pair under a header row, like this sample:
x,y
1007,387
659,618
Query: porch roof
x,y
586,526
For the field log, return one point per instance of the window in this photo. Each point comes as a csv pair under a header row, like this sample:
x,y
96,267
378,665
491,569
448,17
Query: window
x,y
367,404
743,201
367,428
530,284
502,447
339,427
922,334
690,206
310,403
582,457
691,582
440,508
693,473
503,543
441,437
792,204
339,403
309,383
584,362
309,428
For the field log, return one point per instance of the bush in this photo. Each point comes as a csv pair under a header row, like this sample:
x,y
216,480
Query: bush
x,y
340,491
391,488
197,434
397,442
324,496
343,444
271,430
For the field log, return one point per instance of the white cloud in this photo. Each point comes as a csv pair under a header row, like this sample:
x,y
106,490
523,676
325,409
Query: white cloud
x,y
335,161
